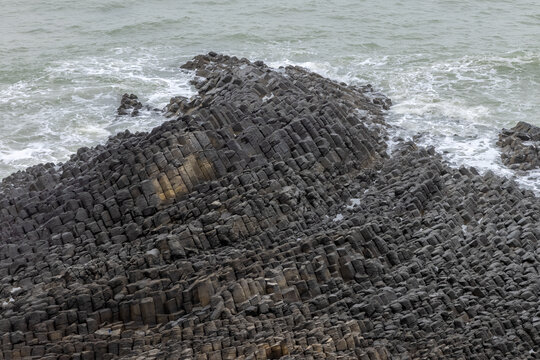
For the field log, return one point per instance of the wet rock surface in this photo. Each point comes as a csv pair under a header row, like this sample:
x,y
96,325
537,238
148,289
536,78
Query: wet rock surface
x,y
129,105
520,146
266,220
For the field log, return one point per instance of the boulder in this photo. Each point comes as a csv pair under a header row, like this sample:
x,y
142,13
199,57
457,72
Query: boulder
x,y
520,146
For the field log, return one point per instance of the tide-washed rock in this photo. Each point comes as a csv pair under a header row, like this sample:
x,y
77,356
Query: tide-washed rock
x,y
520,146
266,220
129,105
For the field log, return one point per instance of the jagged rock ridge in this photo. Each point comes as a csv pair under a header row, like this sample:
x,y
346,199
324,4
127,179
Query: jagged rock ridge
x,y
266,220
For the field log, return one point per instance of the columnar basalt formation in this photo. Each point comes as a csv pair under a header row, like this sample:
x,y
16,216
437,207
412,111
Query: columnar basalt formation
x,y
266,220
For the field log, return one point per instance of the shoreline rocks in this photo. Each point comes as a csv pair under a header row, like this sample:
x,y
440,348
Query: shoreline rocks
x,y
127,103
130,105
520,146
265,219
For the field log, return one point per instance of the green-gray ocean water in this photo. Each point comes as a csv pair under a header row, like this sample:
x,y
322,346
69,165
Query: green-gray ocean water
x,y
457,71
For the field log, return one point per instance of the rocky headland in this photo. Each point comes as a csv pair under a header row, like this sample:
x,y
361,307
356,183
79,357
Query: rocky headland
x,y
266,219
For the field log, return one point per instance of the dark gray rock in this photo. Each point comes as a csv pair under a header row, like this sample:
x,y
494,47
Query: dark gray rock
x,y
228,232
520,146
129,105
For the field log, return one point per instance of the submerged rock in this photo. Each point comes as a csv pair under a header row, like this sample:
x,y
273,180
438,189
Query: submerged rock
x,y
266,220
520,146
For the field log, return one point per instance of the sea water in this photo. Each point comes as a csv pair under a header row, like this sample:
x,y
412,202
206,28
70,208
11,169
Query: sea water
x,y
457,71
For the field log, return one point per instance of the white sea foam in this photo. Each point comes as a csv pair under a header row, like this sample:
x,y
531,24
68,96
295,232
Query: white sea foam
x,y
72,103
29,152
434,104
14,155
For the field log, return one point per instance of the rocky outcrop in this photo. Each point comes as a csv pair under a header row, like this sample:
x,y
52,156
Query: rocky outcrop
x,y
266,220
520,146
129,105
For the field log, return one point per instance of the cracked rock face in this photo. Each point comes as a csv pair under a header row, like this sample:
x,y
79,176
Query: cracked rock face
x,y
520,146
265,220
